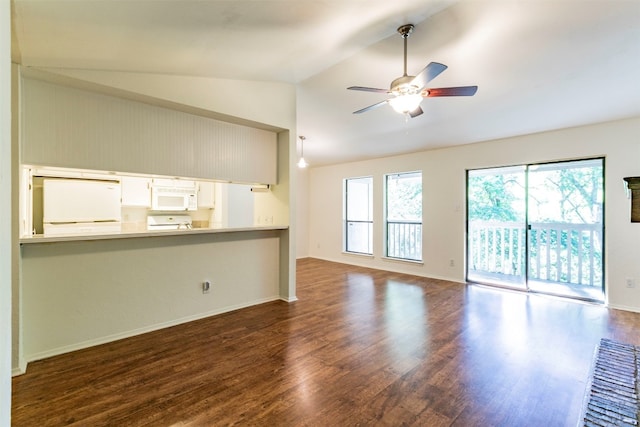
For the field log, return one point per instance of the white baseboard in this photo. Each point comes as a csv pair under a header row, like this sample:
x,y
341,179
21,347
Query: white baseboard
x,y
393,270
20,369
624,307
138,331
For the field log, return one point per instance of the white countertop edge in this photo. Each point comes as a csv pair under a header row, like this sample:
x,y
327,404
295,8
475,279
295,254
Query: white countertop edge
x,y
39,238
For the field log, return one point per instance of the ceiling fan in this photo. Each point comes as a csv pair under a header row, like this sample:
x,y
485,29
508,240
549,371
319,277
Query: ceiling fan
x,y
408,91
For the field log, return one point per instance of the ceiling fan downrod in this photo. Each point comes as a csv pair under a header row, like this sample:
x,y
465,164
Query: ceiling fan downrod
x,y
401,85
405,31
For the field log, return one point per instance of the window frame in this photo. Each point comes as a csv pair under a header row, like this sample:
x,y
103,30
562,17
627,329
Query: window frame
x,y
347,221
387,222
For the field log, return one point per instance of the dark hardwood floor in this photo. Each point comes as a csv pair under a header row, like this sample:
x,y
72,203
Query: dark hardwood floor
x,y
360,347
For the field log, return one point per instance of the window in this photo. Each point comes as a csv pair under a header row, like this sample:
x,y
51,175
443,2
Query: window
x,y
404,215
358,193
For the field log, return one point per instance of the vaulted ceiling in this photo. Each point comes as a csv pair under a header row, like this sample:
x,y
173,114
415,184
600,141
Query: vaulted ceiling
x,y
539,64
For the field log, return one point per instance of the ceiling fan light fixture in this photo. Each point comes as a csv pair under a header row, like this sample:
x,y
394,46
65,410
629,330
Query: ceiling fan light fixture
x,y
404,104
408,91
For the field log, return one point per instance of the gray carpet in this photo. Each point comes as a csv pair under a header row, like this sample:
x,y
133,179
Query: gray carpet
x,y
611,398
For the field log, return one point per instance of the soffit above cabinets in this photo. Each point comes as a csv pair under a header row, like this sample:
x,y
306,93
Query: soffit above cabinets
x,y
69,127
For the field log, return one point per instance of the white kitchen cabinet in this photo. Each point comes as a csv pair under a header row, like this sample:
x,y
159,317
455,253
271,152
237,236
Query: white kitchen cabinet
x,y
206,194
136,191
173,183
239,206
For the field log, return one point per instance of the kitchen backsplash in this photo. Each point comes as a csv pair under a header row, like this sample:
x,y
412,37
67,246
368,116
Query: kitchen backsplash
x,y
135,218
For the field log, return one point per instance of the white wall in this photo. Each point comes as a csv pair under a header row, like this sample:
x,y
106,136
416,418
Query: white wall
x,y
271,105
444,200
125,135
6,244
78,294
302,213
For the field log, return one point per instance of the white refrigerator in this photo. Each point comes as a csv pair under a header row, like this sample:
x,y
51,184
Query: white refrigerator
x,y
80,206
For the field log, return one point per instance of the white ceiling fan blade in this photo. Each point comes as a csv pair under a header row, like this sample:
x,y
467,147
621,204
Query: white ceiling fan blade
x,y
368,89
416,112
429,73
371,107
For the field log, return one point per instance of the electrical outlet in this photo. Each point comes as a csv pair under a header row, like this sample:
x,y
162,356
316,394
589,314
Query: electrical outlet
x,y
452,263
631,283
206,287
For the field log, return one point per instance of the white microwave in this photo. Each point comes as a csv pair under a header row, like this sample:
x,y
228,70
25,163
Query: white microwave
x,y
174,199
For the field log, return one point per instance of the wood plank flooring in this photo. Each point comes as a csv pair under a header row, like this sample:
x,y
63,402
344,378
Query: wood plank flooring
x,y
359,347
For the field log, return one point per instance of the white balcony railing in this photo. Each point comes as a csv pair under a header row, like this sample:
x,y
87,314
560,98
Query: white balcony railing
x,y
404,240
561,253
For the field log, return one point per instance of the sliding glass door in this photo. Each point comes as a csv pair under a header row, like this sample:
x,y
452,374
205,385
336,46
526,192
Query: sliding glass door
x,y
538,227
565,211
496,242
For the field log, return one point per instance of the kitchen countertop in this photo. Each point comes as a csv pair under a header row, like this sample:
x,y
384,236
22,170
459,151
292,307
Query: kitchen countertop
x,y
40,238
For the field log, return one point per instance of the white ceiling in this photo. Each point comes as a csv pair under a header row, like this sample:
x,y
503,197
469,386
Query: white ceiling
x,y
539,64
